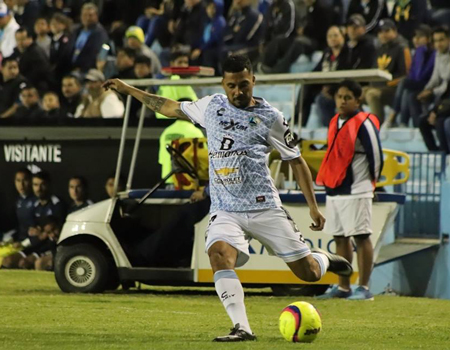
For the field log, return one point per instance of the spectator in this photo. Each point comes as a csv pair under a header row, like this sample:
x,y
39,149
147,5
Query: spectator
x,y
109,185
440,77
30,110
318,19
371,10
406,102
26,12
8,26
362,52
78,192
177,59
24,204
99,103
437,119
51,106
47,204
33,62
41,243
135,40
143,67
243,32
87,39
43,40
191,24
280,26
60,59
209,51
71,92
408,15
335,57
155,22
125,63
13,82
392,57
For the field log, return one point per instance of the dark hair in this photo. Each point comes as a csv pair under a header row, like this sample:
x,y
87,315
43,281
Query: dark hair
x,y
24,30
141,59
61,18
71,76
82,180
236,64
9,59
174,55
48,220
43,175
26,172
352,85
441,29
29,87
128,51
51,93
122,180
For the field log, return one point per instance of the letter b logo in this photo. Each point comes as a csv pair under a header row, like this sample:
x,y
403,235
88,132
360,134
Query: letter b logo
x,y
226,144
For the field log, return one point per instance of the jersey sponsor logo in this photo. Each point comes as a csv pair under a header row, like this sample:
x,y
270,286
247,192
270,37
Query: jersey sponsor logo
x,y
229,180
226,171
254,121
289,139
218,154
220,112
232,125
226,144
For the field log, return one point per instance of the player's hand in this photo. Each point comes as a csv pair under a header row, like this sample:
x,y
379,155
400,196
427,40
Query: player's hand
x,y
117,85
319,220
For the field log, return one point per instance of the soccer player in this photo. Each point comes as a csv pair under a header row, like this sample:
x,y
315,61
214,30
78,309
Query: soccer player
x,y
351,167
241,131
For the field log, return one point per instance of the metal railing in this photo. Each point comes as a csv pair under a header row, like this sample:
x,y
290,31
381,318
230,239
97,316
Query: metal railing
x,y
420,216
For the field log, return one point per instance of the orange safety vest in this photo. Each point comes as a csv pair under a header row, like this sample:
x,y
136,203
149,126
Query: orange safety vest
x,y
341,149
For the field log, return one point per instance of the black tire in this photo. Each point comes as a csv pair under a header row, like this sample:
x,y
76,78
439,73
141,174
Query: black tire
x,y
81,268
303,290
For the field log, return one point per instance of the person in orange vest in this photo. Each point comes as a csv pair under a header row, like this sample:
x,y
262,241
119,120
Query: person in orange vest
x,y
349,171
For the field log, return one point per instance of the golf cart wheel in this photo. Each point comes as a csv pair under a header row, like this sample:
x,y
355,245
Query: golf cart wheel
x,y
81,268
304,290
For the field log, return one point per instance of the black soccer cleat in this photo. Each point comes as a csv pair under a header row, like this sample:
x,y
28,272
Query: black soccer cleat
x,y
338,265
236,335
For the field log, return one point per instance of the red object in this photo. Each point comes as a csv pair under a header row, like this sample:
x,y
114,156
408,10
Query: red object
x,y
341,149
191,70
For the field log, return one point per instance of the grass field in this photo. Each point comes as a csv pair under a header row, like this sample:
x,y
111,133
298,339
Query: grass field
x,y
36,315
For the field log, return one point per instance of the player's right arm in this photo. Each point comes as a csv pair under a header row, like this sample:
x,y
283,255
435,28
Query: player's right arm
x,y
165,106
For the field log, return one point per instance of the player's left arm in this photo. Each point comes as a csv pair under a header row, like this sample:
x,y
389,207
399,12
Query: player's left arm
x,y
304,179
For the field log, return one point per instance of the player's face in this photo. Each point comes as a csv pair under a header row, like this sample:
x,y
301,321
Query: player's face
x,y
76,190
239,87
23,183
346,102
40,188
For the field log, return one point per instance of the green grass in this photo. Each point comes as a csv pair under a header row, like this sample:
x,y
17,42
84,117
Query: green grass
x,y
36,315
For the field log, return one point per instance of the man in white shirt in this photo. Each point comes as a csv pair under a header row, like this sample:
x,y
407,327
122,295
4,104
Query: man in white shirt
x,y
8,27
241,131
99,103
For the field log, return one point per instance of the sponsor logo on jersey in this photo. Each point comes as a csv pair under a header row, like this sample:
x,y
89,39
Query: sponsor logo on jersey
x,y
219,154
229,180
260,199
226,171
232,125
220,112
254,121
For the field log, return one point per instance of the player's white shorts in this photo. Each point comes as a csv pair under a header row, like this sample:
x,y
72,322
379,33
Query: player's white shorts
x,y
274,228
348,217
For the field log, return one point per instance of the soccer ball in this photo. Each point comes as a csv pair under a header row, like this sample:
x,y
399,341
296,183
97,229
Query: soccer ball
x,y
300,322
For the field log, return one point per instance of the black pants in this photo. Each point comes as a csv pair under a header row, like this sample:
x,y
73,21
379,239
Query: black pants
x,y
426,129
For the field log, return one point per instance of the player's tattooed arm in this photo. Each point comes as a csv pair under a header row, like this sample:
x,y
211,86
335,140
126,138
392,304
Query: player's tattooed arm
x,y
165,106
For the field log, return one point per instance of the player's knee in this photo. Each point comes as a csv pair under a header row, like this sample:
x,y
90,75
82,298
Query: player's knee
x,y
221,258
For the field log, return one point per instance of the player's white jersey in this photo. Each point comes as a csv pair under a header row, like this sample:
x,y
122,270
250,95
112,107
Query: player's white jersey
x,y
239,141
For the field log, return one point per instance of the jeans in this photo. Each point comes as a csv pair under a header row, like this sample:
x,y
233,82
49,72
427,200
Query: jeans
x,y
447,132
406,103
426,129
326,107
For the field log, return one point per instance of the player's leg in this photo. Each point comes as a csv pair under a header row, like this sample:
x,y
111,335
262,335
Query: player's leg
x,y
344,248
228,248
364,250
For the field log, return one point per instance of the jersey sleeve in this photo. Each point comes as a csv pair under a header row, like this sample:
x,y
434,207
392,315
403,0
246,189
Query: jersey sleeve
x,y
281,138
196,110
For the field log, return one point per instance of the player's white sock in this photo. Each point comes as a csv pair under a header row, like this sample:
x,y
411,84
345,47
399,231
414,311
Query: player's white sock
x,y
322,261
230,292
